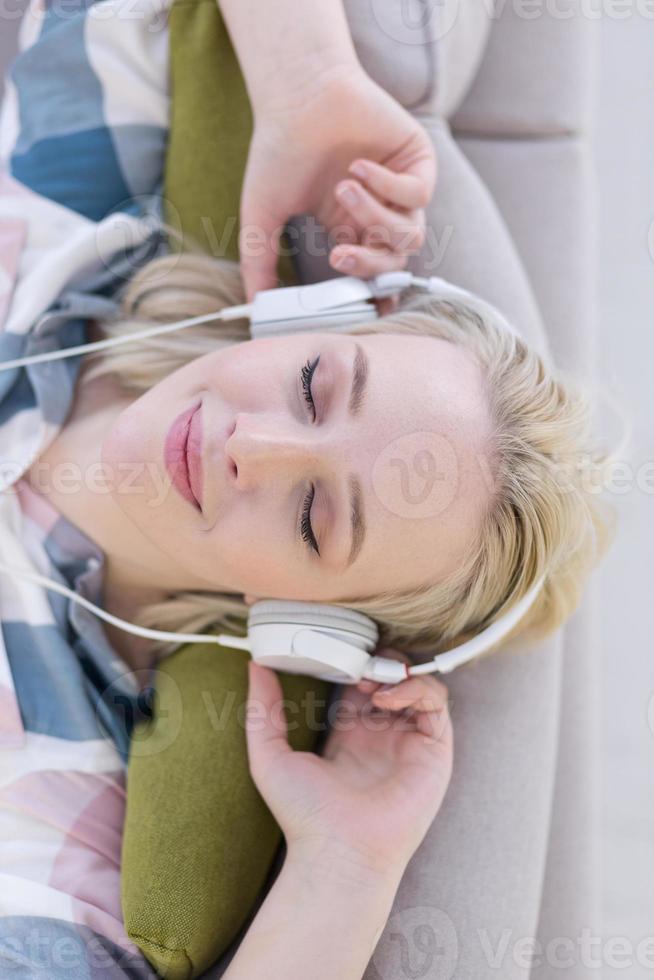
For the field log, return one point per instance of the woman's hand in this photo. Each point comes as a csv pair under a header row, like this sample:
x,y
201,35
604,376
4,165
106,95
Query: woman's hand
x,y
345,151
376,789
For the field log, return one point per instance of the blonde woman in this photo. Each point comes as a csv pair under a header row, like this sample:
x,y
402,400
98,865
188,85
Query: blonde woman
x,y
276,450
287,436
278,432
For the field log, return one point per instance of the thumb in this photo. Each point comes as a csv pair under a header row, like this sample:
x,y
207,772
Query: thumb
x,y
261,228
265,721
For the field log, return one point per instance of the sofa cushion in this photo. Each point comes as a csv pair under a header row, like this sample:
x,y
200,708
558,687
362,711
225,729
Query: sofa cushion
x,y
536,77
425,54
199,841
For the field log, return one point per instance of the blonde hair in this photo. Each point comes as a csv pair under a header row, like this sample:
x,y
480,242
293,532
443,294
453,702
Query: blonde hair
x,y
546,517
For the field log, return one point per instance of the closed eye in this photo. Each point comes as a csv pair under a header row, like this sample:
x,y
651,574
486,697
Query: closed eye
x,y
306,376
306,531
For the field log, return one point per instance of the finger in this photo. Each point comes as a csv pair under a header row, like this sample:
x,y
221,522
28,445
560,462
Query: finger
x,y
258,243
258,272
418,158
435,725
265,722
368,686
389,653
365,262
405,236
388,305
419,693
343,234
381,226
346,712
404,190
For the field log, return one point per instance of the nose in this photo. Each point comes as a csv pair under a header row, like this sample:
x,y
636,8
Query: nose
x,y
269,447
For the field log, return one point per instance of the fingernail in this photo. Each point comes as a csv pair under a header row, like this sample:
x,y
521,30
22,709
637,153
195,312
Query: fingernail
x,y
386,689
344,262
348,195
359,169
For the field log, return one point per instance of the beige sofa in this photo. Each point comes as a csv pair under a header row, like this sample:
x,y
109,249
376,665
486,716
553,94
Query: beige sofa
x,y
513,854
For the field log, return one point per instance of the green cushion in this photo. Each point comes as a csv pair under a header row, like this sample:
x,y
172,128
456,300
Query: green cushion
x,y
210,132
210,129
199,841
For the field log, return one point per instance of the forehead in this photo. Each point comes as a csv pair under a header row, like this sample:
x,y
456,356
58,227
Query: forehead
x,y
418,378
422,458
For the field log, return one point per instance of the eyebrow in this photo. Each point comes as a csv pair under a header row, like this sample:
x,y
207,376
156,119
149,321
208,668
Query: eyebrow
x,y
357,520
359,380
357,394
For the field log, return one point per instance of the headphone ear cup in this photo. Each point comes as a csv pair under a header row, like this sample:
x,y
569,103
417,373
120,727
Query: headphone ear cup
x,y
350,625
330,642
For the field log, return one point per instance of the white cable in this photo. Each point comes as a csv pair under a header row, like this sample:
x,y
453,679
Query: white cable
x,y
378,669
267,307
239,642
386,284
230,313
383,285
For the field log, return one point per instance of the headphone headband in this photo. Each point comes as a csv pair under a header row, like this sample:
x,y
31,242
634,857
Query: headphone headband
x,y
340,303
336,304
333,642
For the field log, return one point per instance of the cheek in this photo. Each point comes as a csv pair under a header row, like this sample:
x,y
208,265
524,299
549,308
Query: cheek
x,y
244,381
253,553
128,451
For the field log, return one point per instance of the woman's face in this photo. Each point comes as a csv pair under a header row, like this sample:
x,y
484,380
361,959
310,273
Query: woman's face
x,y
332,467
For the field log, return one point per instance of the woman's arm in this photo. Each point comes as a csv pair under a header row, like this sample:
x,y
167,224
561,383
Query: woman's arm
x,y
352,818
285,49
327,141
321,919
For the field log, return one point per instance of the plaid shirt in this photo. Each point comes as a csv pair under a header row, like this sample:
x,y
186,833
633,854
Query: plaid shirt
x,y
82,139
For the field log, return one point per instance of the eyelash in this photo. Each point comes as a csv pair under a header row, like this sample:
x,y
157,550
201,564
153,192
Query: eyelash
x,y
306,374
306,530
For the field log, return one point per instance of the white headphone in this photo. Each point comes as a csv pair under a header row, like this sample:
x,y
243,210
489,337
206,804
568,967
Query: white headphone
x,y
326,641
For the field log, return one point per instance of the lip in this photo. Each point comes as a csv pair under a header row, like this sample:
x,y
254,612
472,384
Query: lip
x,y
183,454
